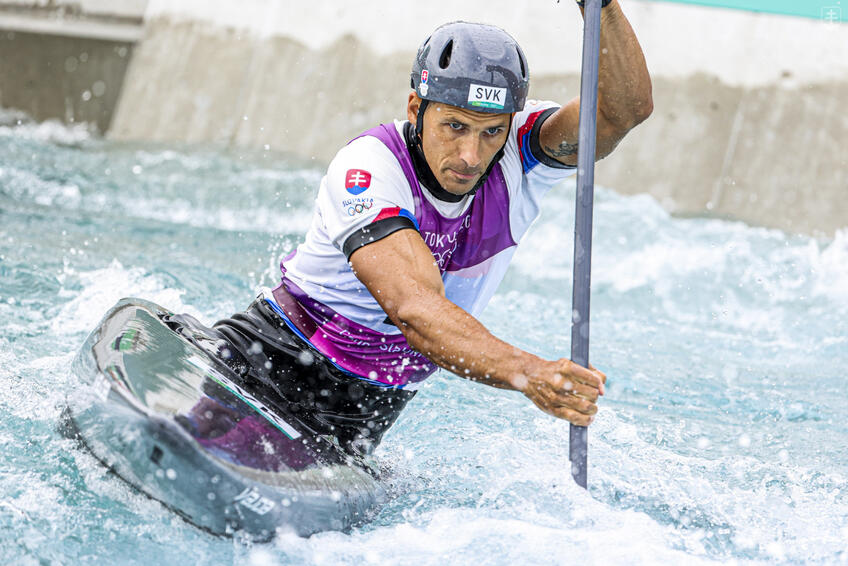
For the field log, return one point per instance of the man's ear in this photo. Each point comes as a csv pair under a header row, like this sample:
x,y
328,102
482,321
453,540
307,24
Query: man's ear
x,y
412,106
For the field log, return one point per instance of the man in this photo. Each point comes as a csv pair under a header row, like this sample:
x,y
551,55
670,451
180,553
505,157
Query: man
x,y
414,227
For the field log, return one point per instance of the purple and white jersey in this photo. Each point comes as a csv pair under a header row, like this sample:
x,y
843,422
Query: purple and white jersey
x,y
372,179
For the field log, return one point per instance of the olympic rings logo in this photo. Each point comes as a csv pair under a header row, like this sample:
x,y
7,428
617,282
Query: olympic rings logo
x,y
359,208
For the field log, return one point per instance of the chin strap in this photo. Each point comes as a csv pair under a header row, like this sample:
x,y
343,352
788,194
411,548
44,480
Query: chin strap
x,y
424,171
419,121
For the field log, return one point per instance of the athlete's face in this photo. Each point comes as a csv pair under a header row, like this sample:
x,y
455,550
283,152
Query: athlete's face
x,y
458,144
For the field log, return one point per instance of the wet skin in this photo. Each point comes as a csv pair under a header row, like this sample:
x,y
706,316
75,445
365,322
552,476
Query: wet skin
x,y
458,144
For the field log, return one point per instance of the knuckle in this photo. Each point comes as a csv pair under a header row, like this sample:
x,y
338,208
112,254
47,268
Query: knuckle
x,y
558,380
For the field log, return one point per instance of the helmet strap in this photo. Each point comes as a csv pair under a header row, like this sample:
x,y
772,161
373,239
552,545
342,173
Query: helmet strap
x,y
419,121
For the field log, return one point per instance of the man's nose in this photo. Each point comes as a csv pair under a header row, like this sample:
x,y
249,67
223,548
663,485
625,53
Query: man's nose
x,y
469,151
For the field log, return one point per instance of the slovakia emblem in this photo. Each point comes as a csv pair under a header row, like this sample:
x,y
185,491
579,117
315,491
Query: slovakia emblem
x,y
357,181
423,87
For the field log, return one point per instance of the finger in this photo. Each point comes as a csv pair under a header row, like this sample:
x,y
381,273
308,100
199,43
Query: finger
x,y
602,374
550,399
583,391
582,406
575,403
580,374
576,389
574,417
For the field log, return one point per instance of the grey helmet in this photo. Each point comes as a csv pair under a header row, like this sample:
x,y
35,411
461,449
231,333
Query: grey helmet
x,y
474,66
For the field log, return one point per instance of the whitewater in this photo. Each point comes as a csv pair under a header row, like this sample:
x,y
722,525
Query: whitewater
x,y
722,437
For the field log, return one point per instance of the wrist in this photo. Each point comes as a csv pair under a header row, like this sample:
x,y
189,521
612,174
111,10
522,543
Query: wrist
x,y
528,370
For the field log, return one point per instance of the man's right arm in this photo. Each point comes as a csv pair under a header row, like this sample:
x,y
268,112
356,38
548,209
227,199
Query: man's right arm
x,y
400,272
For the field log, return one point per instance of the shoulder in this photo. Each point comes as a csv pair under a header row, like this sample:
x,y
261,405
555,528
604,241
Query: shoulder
x,y
365,150
531,113
365,162
523,145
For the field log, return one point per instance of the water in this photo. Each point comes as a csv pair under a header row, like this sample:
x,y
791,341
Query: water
x,y
722,437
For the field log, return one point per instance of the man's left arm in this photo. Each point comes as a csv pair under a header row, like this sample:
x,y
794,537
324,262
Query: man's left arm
x,y
624,94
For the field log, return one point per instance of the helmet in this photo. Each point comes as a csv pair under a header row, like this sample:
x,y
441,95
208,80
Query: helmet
x,y
474,66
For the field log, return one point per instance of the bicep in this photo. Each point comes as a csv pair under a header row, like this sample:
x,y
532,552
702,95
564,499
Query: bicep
x,y
399,271
559,134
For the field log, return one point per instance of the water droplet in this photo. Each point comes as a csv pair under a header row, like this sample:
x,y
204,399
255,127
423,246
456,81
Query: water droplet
x,y
306,358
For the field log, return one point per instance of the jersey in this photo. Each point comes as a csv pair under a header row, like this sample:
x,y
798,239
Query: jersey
x,y
370,190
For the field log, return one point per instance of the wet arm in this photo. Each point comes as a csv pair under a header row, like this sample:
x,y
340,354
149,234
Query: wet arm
x,y
624,93
400,272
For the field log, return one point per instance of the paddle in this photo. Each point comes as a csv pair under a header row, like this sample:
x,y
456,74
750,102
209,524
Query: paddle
x,y
578,437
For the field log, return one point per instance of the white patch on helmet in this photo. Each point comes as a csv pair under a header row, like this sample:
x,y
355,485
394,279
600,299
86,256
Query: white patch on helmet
x,y
486,96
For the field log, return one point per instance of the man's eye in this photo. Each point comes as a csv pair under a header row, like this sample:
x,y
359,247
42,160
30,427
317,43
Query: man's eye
x,y
455,125
494,131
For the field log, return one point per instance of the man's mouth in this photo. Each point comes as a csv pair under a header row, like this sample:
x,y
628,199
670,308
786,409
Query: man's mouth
x,y
463,176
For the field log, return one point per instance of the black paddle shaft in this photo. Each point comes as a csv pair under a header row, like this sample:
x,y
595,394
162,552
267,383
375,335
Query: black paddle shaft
x,y
578,435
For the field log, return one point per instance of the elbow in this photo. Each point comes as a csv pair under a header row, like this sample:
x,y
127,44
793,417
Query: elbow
x,y
625,119
631,113
416,321
409,318
643,104
642,109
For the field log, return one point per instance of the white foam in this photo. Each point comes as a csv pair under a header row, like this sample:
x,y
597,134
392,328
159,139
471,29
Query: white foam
x,y
49,131
456,536
23,184
830,269
657,263
102,288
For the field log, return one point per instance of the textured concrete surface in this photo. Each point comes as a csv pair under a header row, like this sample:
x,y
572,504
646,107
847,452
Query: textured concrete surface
x,y
749,118
115,20
773,155
770,156
66,59
72,79
229,87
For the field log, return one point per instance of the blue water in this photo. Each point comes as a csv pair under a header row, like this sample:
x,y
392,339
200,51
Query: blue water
x,y
722,437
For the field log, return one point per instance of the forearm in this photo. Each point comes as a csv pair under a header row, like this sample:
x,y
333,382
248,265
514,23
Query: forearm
x,y
454,340
624,84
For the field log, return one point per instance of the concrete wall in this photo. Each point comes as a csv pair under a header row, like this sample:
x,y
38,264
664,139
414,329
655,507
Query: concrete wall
x,y
66,60
67,78
749,117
